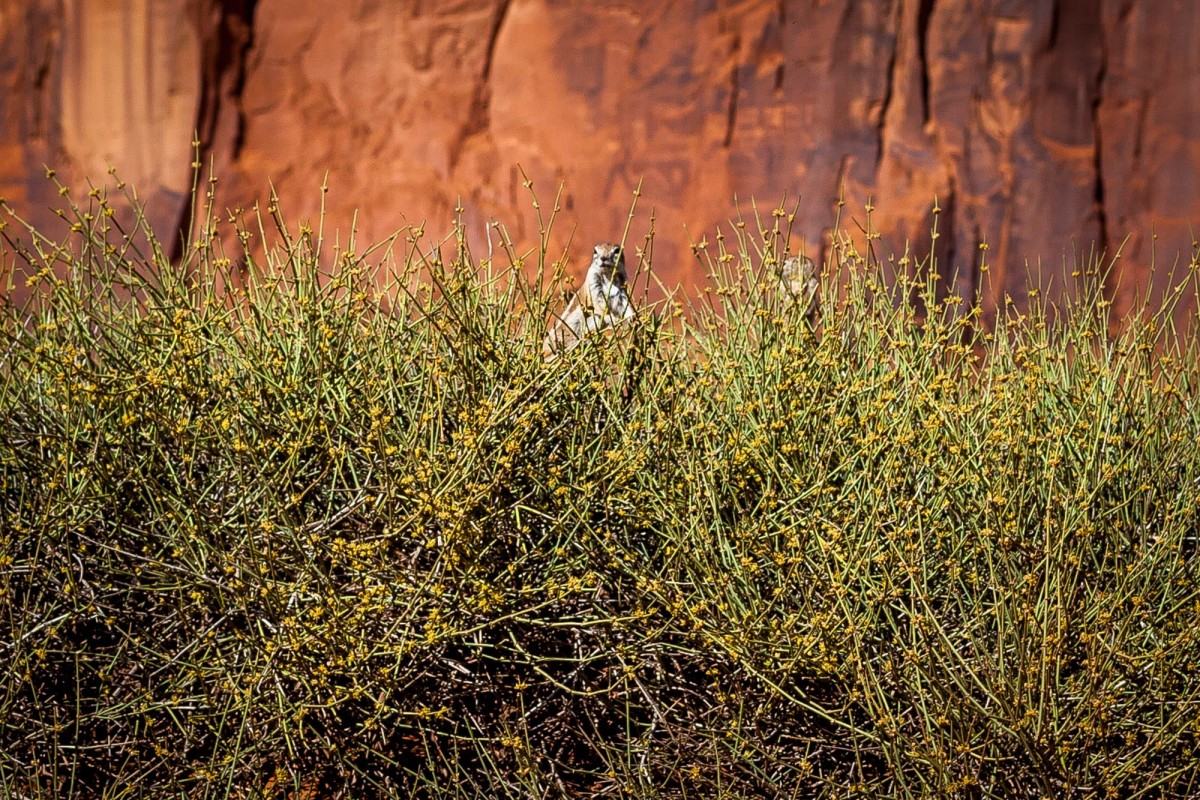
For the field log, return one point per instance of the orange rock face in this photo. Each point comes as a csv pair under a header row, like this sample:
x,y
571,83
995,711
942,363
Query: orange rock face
x,y
1045,128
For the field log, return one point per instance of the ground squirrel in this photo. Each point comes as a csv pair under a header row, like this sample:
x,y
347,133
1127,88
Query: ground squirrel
x,y
799,285
600,303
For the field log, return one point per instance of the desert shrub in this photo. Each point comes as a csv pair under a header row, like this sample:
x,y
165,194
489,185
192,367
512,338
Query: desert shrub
x,y
286,520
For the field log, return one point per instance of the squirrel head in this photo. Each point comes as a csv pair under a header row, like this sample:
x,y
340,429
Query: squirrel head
x,y
608,259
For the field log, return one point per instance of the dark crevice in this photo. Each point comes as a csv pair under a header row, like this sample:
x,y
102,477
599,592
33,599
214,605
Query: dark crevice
x,y
975,263
782,10
246,18
1098,159
1055,24
223,71
479,114
41,74
1139,130
973,301
40,77
947,244
227,36
731,121
843,172
924,15
889,89
493,37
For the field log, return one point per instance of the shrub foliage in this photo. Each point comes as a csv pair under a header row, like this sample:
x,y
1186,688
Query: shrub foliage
x,y
286,520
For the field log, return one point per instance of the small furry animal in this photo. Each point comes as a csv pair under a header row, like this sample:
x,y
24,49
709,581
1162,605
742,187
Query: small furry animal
x,y
799,285
600,303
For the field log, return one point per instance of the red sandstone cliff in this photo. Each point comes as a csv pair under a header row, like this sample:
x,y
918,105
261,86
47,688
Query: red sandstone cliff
x,y
1041,126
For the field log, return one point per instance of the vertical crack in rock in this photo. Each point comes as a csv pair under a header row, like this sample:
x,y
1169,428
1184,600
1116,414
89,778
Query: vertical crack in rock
x,y
45,28
40,85
924,15
731,118
975,268
226,31
889,89
956,280
1109,288
479,114
1098,157
1139,128
843,172
782,10
493,37
223,70
246,20
1055,23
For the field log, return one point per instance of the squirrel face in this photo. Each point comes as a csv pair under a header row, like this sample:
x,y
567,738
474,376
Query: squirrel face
x,y
608,260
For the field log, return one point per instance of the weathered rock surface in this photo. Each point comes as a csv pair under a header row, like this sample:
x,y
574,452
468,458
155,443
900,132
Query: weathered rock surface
x,y
1046,128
